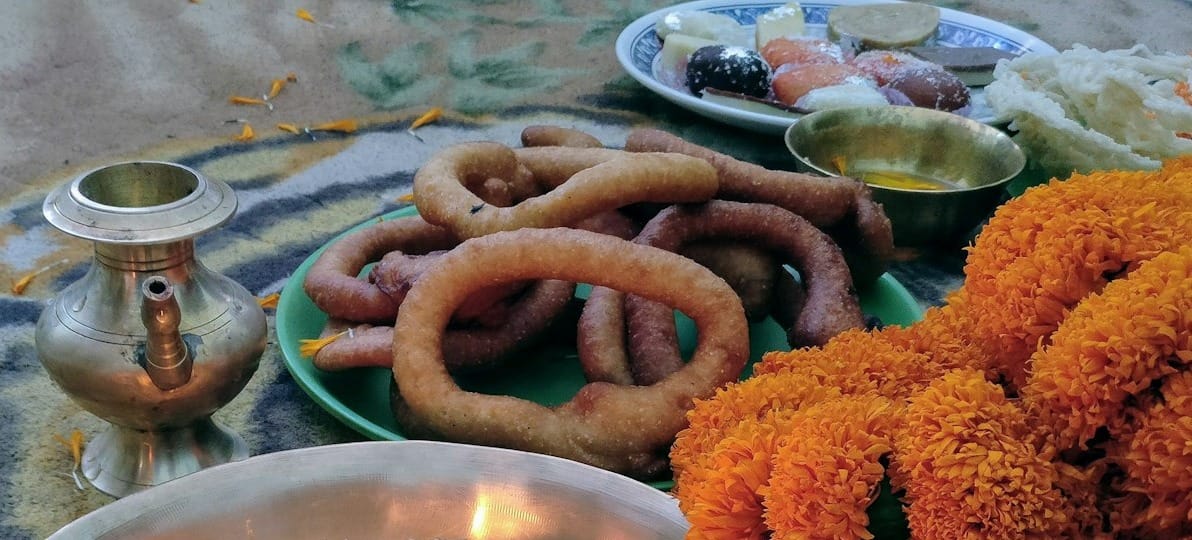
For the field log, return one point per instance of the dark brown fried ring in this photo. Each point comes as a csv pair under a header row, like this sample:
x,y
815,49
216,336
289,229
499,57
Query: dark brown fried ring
x,y
505,192
332,281
612,223
842,206
822,201
396,273
600,337
558,136
620,428
867,242
748,269
831,305
464,349
789,298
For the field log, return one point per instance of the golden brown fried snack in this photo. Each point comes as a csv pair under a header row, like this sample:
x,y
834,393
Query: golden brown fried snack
x,y
398,271
580,182
332,281
822,201
619,428
464,349
558,136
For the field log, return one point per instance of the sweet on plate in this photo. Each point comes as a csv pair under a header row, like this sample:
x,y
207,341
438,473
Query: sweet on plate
x,y
712,57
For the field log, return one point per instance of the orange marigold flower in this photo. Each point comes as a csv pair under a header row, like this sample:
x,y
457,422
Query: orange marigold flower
x,y
1081,485
1157,461
830,364
711,418
858,362
944,336
966,468
1045,251
827,468
722,500
1111,348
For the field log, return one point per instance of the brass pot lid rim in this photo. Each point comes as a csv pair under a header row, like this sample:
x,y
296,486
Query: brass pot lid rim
x,y
208,205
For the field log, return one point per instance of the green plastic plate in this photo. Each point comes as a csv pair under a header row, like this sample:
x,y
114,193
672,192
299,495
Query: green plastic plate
x,y
549,374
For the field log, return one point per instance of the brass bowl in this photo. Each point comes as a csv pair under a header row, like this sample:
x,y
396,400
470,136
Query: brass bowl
x,y
400,490
976,161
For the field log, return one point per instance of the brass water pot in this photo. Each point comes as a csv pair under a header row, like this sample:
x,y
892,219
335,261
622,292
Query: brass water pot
x,y
149,339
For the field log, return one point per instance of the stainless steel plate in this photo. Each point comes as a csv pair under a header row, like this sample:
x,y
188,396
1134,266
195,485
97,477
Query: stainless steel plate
x,y
396,490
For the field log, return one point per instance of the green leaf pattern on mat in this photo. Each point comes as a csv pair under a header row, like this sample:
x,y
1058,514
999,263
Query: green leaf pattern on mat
x,y
485,83
397,80
603,32
439,62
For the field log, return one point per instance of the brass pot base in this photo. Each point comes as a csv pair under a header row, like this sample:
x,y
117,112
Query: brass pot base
x,y
122,461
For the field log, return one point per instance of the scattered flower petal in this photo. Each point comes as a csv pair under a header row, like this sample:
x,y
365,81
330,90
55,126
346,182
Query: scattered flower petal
x,y
246,134
269,301
19,286
242,100
428,117
340,126
310,347
275,88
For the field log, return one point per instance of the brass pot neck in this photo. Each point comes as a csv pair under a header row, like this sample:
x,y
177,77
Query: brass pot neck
x,y
144,257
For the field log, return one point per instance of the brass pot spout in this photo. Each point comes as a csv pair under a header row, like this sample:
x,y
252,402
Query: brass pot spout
x,y
167,359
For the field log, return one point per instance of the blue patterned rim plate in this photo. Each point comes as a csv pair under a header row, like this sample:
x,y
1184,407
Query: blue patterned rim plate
x,y
638,50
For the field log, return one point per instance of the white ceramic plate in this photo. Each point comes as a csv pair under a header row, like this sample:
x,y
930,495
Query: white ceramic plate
x,y
638,51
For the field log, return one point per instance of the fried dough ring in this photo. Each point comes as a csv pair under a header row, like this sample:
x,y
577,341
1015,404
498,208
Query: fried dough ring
x,y
464,349
822,201
582,182
397,271
751,272
842,206
831,305
332,281
558,136
619,428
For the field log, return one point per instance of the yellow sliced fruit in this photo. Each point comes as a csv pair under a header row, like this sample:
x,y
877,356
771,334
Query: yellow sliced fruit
x,y
781,22
884,26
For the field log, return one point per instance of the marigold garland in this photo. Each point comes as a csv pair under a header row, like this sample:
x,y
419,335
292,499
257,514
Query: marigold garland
x,y
894,362
723,498
1078,299
731,495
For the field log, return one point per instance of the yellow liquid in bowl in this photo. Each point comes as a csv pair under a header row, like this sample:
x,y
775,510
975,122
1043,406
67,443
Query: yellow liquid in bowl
x,y
901,180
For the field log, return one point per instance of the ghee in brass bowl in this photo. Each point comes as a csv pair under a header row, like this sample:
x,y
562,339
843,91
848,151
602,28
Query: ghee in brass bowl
x,y
937,175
